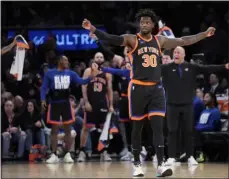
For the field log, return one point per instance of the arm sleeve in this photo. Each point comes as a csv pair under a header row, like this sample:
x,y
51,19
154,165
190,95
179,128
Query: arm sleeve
x,y
76,79
124,73
208,68
105,50
112,39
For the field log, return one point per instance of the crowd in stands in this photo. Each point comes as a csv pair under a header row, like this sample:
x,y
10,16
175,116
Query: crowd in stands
x,y
23,123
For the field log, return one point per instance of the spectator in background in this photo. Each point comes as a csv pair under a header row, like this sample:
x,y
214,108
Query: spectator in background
x,y
166,58
214,84
6,96
30,122
32,56
200,94
198,104
209,120
11,133
200,82
210,117
18,105
224,84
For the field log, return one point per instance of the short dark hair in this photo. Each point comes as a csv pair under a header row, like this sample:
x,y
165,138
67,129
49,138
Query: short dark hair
x,y
168,52
72,97
214,99
147,13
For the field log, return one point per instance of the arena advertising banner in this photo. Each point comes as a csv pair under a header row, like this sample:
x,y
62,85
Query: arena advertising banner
x,y
67,39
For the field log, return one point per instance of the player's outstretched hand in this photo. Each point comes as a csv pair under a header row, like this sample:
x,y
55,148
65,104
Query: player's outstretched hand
x,y
210,31
86,24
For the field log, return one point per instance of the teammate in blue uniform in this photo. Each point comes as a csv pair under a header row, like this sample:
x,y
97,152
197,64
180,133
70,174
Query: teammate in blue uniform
x,y
58,81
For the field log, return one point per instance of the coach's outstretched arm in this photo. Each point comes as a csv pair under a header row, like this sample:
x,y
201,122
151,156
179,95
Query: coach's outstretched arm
x,y
169,43
210,68
124,40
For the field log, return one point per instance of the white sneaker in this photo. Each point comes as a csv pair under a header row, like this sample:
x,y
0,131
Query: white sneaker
x,y
68,158
170,162
163,171
105,157
53,159
192,161
123,152
137,171
81,157
126,157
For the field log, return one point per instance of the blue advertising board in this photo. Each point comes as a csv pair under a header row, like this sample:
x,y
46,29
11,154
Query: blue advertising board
x,y
66,39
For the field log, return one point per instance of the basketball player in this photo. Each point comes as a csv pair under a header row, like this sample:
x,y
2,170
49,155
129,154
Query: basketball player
x,y
123,63
58,82
96,107
146,95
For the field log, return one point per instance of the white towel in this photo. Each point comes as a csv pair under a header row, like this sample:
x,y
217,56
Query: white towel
x,y
18,63
104,135
165,30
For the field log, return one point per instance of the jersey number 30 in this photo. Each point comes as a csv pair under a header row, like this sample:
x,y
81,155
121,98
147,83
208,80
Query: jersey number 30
x,y
98,87
149,61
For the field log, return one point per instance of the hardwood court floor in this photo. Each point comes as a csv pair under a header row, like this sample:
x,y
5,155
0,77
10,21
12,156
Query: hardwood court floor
x,y
107,170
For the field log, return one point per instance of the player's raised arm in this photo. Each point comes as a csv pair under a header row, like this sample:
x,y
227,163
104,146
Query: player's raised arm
x,y
8,48
169,43
115,58
123,40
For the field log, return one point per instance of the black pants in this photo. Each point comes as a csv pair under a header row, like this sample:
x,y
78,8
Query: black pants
x,y
184,115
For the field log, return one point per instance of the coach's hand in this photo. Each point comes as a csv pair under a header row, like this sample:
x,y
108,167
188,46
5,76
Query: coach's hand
x,y
88,107
43,105
227,66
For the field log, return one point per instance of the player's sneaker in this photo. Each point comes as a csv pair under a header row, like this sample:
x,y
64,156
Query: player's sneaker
x,y
137,170
52,159
170,162
192,161
68,158
127,157
81,157
163,171
105,157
